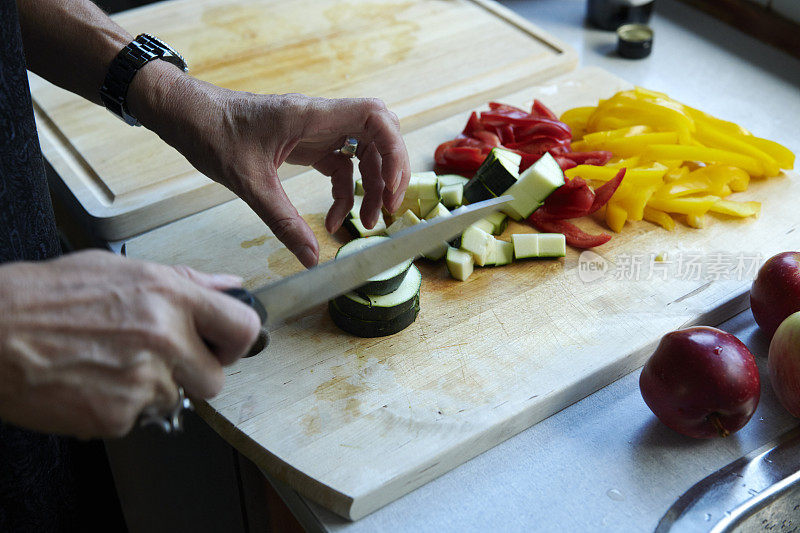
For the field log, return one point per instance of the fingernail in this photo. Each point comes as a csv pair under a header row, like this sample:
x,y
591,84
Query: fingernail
x,y
227,279
307,256
396,183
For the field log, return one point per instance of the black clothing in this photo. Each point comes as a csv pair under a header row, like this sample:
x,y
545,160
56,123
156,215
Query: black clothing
x,y
27,224
34,481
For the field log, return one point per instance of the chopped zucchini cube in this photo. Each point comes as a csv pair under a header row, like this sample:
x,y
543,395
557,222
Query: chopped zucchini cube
x,y
503,252
438,211
526,245
357,229
423,186
533,187
450,179
359,190
499,170
406,220
477,242
452,196
475,191
426,204
485,225
552,245
459,263
499,222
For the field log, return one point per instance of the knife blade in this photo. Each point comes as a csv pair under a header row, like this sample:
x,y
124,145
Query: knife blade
x,y
290,296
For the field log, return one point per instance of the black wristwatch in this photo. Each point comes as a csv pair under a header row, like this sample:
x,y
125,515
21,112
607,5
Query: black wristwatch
x,y
140,51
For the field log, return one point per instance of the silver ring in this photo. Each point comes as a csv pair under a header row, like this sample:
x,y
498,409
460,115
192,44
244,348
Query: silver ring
x,y
169,422
349,147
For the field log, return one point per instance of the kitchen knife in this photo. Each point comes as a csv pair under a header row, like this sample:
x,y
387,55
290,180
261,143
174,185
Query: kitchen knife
x,y
295,294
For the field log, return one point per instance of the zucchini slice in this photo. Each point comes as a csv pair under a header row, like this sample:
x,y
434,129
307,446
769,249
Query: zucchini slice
x,y
383,283
372,328
533,187
358,230
384,307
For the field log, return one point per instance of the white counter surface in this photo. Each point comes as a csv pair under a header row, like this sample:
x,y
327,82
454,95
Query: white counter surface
x,y
606,463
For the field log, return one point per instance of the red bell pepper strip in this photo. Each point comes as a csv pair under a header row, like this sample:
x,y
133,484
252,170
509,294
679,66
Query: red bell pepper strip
x,y
599,157
571,200
573,234
540,110
604,193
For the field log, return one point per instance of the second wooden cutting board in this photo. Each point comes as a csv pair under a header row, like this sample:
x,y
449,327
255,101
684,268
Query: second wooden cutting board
x,y
356,423
425,58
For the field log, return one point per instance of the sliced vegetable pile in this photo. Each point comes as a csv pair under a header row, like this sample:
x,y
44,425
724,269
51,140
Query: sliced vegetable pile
x,y
530,135
680,160
668,159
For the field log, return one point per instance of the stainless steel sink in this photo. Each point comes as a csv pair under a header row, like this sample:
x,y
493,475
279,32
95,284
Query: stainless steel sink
x,y
759,492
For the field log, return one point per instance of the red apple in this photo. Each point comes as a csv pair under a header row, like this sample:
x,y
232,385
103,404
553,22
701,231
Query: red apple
x,y
776,291
784,363
702,382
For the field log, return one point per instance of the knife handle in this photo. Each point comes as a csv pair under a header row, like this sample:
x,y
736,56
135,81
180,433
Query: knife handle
x,y
247,298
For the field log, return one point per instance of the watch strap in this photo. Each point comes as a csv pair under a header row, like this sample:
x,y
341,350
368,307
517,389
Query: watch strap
x,y
121,71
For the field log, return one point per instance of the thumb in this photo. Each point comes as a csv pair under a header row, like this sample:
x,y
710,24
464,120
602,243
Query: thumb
x,y
270,202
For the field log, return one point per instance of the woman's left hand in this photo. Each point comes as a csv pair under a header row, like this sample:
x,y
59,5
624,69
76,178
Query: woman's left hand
x,y
240,139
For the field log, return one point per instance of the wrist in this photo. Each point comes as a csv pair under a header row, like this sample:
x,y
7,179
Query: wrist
x,y
151,93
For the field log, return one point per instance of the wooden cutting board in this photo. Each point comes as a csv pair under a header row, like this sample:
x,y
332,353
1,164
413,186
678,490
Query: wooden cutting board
x,y
355,423
425,58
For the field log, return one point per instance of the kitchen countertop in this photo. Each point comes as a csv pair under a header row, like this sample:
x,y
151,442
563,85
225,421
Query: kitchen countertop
x,y
606,463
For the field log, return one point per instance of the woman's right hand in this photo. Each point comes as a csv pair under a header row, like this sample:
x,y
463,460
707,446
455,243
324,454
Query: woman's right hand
x,y
89,340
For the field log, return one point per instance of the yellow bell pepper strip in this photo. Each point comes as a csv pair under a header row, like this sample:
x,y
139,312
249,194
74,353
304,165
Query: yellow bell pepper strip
x,y
576,119
660,113
740,179
637,176
633,203
780,153
629,146
715,138
603,136
615,216
659,217
657,152
696,221
690,184
688,206
628,162
674,174
737,209
729,127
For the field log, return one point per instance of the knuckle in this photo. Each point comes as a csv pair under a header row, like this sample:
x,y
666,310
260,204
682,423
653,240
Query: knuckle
x,y
281,226
375,105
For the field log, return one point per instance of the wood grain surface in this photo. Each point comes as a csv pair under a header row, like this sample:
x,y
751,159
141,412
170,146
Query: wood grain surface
x,y
425,58
356,423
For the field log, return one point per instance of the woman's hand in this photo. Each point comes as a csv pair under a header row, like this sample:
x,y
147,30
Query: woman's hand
x,y
240,139
90,340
